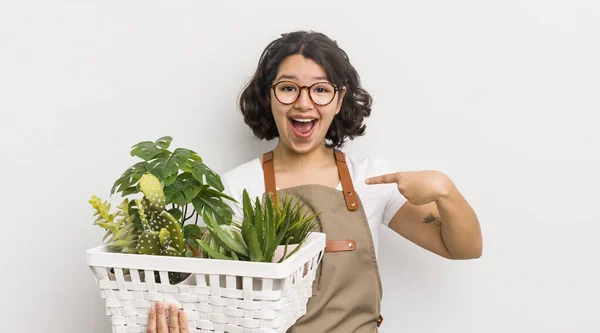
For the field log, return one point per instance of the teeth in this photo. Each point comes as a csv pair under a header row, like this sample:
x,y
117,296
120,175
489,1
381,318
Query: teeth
x,y
303,120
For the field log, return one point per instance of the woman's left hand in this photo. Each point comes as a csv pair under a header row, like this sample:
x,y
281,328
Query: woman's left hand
x,y
157,320
418,187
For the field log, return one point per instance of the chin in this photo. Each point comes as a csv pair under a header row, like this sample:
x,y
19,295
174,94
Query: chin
x,y
304,146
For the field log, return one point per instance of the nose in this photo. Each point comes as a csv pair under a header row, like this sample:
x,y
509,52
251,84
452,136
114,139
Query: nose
x,y
304,102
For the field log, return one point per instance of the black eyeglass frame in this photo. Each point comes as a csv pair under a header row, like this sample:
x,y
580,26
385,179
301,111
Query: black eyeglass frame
x,y
300,88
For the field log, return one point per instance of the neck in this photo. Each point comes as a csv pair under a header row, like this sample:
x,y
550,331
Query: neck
x,y
285,159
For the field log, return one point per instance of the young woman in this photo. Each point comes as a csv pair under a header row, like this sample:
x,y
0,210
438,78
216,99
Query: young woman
x,y
306,94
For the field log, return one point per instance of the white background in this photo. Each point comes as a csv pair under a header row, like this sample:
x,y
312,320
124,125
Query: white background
x,y
502,96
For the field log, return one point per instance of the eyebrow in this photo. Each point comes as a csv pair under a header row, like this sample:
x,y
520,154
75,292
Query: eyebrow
x,y
294,77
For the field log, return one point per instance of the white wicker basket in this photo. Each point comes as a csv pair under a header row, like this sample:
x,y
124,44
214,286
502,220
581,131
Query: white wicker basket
x,y
218,295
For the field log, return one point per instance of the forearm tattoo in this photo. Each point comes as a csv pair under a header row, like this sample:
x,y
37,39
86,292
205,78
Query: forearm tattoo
x,y
433,219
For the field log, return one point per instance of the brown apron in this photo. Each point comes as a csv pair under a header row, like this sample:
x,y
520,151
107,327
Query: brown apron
x,y
347,289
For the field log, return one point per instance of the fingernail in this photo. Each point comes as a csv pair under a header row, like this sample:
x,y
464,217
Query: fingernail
x,y
182,314
159,306
152,309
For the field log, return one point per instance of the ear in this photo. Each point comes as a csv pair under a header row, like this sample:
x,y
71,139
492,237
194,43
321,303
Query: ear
x,y
341,95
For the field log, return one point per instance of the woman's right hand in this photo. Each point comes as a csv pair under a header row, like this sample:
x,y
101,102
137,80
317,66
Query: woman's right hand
x,y
157,320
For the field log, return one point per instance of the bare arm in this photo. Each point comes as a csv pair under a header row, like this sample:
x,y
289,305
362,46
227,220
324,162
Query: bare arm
x,y
436,217
447,227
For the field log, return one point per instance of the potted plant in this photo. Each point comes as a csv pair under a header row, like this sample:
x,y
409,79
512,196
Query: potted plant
x,y
177,189
264,233
154,242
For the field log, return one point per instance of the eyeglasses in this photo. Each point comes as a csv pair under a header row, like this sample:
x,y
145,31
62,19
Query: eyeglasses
x,y
320,93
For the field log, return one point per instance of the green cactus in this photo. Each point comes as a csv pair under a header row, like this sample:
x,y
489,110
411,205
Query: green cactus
x,y
153,191
162,233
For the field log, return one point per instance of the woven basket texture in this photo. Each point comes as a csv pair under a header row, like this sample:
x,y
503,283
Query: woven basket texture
x,y
216,295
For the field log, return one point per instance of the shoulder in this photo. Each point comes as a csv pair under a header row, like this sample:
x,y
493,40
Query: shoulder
x,y
364,166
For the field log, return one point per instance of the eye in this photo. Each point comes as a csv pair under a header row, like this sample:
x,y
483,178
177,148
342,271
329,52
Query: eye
x,y
322,89
287,88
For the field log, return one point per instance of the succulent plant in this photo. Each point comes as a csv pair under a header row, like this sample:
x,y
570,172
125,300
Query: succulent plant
x,y
158,233
263,228
233,230
121,230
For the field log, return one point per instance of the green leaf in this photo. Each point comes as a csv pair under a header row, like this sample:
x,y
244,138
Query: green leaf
x,y
220,194
293,251
223,211
254,245
182,190
146,150
168,166
194,156
247,206
229,242
269,236
259,223
175,212
130,190
129,181
200,169
180,156
269,213
137,223
130,176
219,210
193,243
156,167
163,142
169,180
282,225
212,252
192,230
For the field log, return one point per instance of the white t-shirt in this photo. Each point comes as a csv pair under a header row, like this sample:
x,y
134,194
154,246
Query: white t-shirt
x,y
380,201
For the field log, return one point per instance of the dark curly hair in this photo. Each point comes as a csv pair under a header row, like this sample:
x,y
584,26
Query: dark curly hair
x,y
255,99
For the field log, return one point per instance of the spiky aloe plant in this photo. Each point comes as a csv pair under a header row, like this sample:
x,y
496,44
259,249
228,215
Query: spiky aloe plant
x,y
263,228
233,230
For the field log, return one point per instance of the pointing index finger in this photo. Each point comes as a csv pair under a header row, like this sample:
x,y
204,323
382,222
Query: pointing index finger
x,y
383,179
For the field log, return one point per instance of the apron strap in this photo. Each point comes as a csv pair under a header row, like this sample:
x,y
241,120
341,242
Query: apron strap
x,y
343,172
269,175
346,180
